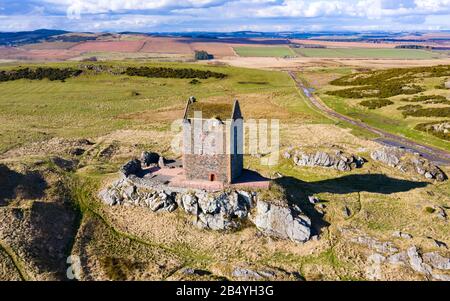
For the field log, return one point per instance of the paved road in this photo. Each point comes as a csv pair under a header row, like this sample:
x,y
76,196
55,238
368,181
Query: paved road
x,y
433,154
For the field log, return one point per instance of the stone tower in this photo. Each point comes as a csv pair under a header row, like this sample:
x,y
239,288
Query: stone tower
x,y
213,141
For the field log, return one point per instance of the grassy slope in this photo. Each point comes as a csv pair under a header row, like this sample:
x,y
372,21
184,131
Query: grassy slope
x,y
89,106
367,53
264,51
387,118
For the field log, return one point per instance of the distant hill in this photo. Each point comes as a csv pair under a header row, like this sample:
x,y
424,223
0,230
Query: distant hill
x,y
27,37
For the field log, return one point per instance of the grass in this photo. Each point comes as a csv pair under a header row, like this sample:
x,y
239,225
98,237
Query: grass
x,y
268,51
389,118
92,105
367,53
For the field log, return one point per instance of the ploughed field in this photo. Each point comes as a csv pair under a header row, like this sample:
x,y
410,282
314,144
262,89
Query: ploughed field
x,y
65,134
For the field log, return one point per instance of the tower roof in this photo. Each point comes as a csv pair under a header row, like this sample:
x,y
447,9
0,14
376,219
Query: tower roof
x,y
218,110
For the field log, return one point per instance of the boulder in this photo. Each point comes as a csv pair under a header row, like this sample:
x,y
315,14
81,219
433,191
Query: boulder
x,y
337,160
282,222
408,162
416,261
132,167
149,158
437,261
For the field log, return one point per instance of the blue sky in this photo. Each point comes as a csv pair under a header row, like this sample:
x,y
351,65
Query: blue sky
x,y
220,15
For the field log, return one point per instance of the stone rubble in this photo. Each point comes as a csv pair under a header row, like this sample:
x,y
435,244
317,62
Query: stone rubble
x,y
225,210
407,162
338,159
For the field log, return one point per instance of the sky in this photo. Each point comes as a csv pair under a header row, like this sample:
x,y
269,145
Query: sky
x,y
225,16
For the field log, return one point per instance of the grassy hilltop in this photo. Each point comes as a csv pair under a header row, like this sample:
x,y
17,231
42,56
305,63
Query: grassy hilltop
x,y
53,175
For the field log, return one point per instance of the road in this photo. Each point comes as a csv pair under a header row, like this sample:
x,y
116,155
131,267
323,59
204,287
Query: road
x,y
435,155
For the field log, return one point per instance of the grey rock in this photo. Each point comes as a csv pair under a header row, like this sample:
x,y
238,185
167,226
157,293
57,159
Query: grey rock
x,y
388,155
440,277
376,245
416,261
398,258
282,222
108,197
437,261
190,204
376,258
403,235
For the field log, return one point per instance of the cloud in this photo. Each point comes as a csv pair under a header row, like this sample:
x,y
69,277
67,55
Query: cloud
x,y
219,15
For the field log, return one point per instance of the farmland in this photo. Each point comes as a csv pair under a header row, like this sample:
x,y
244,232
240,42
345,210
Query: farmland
x,y
91,105
367,53
267,51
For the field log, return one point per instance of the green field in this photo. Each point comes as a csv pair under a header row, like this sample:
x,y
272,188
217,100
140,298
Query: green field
x,y
93,104
367,53
264,51
388,117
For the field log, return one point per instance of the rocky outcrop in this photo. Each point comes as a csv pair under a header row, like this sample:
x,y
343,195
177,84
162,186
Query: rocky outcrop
x,y
217,211
282,222
224,210
408,163
253,273
124,192
338,159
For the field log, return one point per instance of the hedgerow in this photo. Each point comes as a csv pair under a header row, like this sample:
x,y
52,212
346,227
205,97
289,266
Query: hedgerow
x,y
161,72
39,74
376,103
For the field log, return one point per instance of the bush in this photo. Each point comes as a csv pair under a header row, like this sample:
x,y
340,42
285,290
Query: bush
x,y
161,72
39,74
432,99
429,112
430,210
373,104
203,55
195,82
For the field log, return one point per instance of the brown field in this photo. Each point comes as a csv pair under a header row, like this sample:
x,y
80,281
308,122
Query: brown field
x,y
49,46
219,50
303,62
109,46
9,53
166,45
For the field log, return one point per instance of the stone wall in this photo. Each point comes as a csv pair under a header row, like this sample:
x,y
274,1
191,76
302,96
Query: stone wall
x,y
200,167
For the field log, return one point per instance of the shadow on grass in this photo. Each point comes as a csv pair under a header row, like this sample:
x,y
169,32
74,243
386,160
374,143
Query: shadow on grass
x,y
29,185
298,191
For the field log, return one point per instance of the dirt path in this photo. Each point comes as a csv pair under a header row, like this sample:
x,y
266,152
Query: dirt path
x,y
433,154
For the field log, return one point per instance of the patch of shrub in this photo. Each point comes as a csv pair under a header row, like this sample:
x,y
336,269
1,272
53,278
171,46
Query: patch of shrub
x,y
162,72
195,82
432,99
429,112
430,210
39,74
431,128
386,83
373,104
